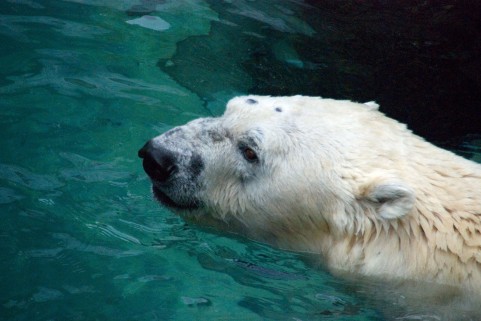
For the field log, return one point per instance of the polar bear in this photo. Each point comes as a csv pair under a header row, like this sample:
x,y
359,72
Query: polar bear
x,y
330,177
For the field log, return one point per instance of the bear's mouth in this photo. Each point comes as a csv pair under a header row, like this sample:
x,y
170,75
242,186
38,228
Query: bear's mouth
x,y
165,200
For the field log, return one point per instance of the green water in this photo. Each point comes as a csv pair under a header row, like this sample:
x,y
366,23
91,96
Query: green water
x,y
83,85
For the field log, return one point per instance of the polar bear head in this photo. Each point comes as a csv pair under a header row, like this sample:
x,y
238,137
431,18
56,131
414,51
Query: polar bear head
x,y
292,171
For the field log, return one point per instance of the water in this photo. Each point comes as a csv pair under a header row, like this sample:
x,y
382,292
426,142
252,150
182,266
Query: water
x,y
83,84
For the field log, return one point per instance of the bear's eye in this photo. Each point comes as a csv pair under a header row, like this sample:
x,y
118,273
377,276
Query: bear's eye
x,y
249,154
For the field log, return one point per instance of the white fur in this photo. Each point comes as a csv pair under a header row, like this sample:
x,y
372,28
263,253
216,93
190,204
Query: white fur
x,y
342,180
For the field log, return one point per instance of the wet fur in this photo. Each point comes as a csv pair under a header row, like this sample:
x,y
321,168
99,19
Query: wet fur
x,y
335,178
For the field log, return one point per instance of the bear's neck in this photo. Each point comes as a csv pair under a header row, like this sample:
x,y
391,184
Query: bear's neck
x,y
439,240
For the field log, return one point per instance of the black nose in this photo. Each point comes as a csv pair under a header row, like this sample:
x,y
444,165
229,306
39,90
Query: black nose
x,y
158,162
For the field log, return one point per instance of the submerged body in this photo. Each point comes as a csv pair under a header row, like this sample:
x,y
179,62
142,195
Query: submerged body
x,y
331,177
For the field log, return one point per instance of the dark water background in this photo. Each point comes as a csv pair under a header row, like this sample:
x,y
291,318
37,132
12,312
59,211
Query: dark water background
x,y
84,83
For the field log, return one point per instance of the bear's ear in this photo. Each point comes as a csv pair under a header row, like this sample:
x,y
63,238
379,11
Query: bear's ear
x,y
392,198
372,105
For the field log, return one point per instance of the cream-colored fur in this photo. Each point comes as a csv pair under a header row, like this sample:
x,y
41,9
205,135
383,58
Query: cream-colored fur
x,y
342,180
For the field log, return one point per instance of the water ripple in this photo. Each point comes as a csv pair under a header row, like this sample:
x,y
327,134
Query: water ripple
x,y
18,27
8,195
147,229
150,22
89,171
112,231
31,4
69,74
70,243
46,294
282,20
24,177
44,253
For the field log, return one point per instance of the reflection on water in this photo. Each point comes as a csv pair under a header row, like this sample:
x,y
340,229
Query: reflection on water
x,y
84,83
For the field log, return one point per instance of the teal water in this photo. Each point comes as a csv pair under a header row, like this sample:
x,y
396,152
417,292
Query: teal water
x,y
83,84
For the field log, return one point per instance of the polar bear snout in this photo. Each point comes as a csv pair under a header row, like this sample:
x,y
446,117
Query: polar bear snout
x,y
159,163
174,169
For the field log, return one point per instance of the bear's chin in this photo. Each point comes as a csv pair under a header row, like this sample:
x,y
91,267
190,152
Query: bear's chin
x,y
166,201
